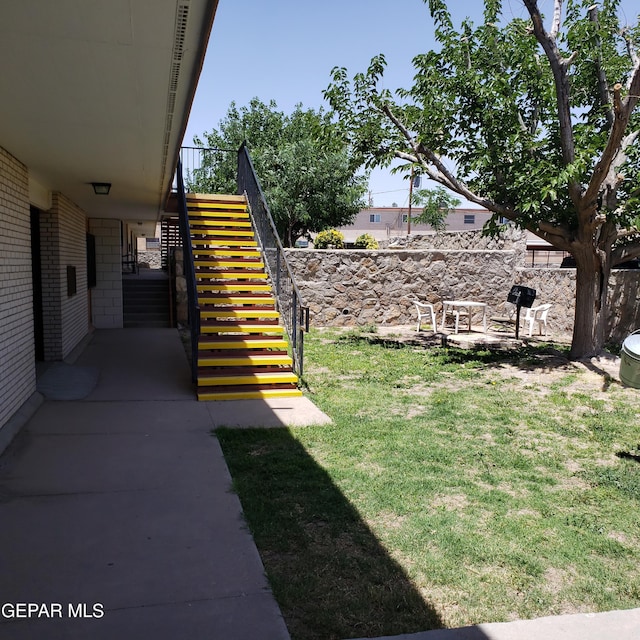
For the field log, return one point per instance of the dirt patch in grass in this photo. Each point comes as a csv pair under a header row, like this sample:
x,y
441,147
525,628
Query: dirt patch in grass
x,y
455,502
389,520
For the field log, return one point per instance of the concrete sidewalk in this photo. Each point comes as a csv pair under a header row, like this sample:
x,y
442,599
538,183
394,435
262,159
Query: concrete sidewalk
x,y
609,625
121,502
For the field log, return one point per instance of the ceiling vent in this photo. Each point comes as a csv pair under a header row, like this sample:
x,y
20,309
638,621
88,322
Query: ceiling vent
x,y
180,32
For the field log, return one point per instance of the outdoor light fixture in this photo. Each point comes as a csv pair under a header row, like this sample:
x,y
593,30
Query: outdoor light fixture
x,y
101,188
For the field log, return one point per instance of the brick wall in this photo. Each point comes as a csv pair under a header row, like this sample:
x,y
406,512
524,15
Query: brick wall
x,y
106,297
17,363
63,245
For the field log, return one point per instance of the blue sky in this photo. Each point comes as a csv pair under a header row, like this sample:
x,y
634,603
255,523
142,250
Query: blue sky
x,y
285,49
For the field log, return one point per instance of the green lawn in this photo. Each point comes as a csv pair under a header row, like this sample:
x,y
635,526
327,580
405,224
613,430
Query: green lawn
x,y
453,488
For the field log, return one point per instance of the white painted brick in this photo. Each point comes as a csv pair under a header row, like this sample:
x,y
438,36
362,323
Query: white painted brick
x,y
106,297
17,362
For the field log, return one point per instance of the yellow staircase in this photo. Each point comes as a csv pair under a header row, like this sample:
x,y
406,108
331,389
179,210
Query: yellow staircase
x,y
242,347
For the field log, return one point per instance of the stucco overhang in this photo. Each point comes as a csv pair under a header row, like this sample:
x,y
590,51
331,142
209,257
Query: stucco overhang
x,y
100,91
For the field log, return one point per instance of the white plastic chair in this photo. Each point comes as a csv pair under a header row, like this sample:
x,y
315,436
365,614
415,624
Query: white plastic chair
x,y
427,310
537,315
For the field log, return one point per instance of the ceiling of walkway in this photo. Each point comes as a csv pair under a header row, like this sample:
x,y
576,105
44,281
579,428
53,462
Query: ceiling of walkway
x,y
97,91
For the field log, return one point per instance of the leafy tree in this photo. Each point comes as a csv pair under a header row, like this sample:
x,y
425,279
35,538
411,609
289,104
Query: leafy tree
x,y
309,178
436,205
533,119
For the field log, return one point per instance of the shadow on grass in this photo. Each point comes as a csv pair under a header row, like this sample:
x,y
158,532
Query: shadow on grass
x,y
330,575
627,455
530,356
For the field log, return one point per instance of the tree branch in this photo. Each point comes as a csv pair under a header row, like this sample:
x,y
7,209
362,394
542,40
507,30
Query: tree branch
x,y
622,110
435,169
442,174
557,15
625,252
631,50
557,235
603,85
559,68
613,179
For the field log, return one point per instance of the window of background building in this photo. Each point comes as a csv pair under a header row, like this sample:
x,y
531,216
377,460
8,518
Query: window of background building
x,y
374,217
469,218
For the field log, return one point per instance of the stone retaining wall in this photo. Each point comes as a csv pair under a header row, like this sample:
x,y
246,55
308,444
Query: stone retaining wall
x,y
357,288
151,258
510,238
351,287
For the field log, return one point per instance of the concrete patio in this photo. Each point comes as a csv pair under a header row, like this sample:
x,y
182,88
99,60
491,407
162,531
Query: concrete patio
x,y
120,501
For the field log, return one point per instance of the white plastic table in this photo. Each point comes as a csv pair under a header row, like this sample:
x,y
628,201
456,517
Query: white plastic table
x,y
455,307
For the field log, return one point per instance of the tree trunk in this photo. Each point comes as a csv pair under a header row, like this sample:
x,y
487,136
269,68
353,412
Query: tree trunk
x,y
591,311
289,236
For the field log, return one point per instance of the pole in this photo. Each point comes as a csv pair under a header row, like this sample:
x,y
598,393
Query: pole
x,y
410,199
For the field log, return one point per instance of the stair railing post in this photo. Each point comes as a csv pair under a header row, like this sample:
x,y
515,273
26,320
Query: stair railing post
x,y
294,328
278,270
195,330
192,289
304,326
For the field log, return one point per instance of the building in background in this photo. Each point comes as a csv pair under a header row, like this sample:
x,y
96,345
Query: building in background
x,y
387,222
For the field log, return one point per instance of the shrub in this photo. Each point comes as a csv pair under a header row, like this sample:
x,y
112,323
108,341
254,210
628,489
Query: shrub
x,y
366,241
329,239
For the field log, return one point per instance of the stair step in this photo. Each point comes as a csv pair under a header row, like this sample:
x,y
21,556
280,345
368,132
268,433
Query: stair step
x,y
145,303
268,377
210,211
145,284
255,326
238,312
156,310
244,360
231,275
233,234
231,299
229,263
240,353
231,285
144,294
247,342
216,199
151,312
248,393
227,253
214,225
221,242
135,293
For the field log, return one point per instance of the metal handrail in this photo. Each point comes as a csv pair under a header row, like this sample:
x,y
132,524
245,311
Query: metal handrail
x,y
198,167
189,271
289,301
